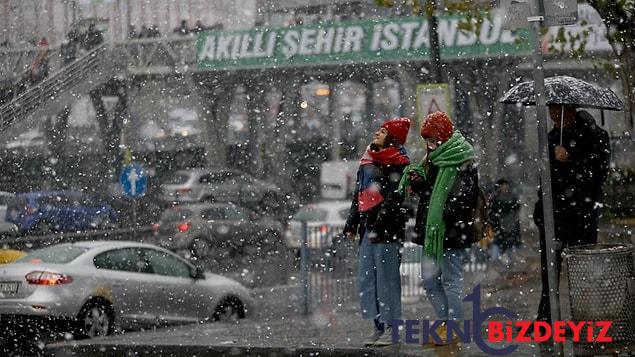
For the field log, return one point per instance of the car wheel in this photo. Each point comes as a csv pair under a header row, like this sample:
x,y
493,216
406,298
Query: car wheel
x,y
229,310
96,319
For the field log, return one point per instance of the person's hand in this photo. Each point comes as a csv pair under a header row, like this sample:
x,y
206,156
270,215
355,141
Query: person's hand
x,y
561,154
350,235
414,177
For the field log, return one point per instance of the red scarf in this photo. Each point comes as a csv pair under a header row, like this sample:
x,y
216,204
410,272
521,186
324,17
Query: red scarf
x,y
388,156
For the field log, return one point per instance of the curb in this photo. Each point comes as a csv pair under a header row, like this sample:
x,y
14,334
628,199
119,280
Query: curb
x,y
108,350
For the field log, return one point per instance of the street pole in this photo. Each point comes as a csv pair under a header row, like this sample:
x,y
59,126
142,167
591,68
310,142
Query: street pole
x,y
304,268
544,167
430,9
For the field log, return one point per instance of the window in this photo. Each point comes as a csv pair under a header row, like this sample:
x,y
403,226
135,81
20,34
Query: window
x,y
165,264
176,215
57,254
217,177
127,259
225,213
310,214
177,179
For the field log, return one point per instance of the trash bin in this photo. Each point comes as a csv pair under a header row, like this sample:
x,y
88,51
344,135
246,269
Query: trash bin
x,y
601,288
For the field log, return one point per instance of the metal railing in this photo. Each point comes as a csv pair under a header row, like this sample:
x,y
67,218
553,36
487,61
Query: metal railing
x,y
329,267
51,86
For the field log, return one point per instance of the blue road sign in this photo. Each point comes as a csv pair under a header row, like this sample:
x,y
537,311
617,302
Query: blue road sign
x,y
133,181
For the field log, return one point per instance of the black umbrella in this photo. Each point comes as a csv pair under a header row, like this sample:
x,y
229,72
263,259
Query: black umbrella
x,y
565,90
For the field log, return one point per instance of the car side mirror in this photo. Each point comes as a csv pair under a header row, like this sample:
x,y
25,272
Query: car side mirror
x,y
199,273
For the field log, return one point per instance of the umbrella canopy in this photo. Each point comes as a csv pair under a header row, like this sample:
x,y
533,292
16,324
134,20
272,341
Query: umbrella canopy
x,y
566,90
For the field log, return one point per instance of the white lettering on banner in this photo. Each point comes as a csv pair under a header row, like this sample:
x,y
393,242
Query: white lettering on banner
x,y
257,51
466,38
339,37
374,43
271,43
367,39
208,49
390,42
235,47
447,32
307,41
354,36
422,37
490,32
408,28
222,51
291,39
324,40
244,46
507,37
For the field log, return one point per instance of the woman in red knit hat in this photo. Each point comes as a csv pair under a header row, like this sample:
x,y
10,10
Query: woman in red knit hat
x,y
377,218
447,184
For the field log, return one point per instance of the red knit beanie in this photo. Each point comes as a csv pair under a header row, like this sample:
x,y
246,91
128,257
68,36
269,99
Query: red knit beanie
x,y
397,129
437,125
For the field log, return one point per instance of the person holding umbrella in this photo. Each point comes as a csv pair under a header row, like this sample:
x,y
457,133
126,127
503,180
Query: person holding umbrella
x,y
579,154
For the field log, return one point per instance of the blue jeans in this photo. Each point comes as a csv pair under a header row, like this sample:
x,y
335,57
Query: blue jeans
x,y
379,280
444,284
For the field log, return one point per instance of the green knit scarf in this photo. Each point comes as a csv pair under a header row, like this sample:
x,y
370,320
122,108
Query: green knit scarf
x,y
448,157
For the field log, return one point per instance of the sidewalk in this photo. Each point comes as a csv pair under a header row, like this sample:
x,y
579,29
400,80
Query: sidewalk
x,y
327,331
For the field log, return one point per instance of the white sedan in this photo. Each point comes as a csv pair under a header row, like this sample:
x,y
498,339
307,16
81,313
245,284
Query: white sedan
x,y
97,286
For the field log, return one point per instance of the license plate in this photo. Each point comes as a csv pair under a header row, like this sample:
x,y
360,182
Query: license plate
x,y
9,287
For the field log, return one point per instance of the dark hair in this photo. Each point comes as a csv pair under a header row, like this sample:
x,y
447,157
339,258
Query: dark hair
x,y
502,181
388,142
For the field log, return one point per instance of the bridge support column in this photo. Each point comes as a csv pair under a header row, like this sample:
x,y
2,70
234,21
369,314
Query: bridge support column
x,y
215,103
256,107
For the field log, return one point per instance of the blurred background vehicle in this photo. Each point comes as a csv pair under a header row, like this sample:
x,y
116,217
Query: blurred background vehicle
x,y
223,185
94,288
325,220
222,229
7,229
46,211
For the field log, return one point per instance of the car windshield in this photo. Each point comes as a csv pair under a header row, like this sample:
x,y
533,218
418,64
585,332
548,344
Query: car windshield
x,y
176,214
177,179
311,214
57,254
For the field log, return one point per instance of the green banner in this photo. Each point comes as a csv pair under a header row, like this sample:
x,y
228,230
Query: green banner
x,y
394,39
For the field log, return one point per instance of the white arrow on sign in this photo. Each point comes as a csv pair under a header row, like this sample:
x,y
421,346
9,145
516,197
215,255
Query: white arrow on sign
x,y
132,178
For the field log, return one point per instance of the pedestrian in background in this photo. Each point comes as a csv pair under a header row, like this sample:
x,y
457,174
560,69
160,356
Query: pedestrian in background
x,y
579,156
40,66
376,216
504,209
447,185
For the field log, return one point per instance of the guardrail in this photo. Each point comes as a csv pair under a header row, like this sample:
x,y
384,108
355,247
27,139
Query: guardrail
x,y
35,242
46,90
